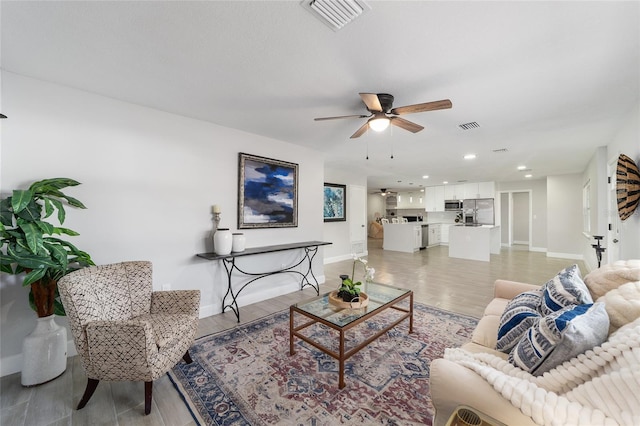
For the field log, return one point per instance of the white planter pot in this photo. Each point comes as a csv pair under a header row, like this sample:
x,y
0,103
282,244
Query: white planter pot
x,y
238,242
222,241
44,352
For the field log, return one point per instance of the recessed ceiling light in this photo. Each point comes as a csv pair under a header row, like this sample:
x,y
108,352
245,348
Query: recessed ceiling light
x,y
528,176
445,182
422,190
469,156
425,177
522,167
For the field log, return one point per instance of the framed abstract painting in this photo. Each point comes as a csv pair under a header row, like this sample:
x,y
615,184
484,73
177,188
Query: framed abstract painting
x,y
267,193
335,202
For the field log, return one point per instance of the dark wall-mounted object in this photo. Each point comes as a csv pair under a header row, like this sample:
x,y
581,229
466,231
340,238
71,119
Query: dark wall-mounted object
x,y
627,186
598,248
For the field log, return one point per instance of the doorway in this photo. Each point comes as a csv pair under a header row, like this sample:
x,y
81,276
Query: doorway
x,y
516,213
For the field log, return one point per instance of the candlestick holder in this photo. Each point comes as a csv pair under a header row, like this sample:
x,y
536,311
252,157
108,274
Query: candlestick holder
x,y
598,248
216,225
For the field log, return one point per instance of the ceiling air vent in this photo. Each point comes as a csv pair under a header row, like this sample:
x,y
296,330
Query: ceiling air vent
x,y
469,126
500,150
336,13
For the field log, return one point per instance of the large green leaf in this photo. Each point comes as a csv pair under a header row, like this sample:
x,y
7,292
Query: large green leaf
x,y
34,276
67,231
32,235
48,208
74,202
26,260
31,212
59,254
60,207
46,227
46,185
20,199
6,215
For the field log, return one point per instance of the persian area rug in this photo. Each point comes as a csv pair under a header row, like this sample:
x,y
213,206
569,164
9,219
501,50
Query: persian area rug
x,y
245,375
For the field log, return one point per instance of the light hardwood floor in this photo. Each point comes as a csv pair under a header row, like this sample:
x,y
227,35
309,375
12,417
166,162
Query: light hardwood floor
x,y
462,286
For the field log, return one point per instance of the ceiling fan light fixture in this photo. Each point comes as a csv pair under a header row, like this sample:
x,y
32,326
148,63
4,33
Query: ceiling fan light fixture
x,y
379,123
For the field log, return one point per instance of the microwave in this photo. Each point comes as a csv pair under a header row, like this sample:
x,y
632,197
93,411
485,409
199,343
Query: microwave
x,y
452,205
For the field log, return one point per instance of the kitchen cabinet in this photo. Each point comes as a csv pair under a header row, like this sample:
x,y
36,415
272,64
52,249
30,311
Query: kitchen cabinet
x,y
486,189
434,234
405,237
410,200
444,233
434,199
454,192
479,190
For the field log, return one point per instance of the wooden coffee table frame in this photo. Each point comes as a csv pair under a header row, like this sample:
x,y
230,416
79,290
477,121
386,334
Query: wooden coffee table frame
x,y
343,355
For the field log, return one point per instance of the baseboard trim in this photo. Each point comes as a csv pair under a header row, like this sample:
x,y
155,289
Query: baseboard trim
x,y
566,256
521,242
335,259
539,249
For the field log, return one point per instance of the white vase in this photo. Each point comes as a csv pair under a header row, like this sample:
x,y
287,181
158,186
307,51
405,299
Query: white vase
x,y
238,242
222,241
44,352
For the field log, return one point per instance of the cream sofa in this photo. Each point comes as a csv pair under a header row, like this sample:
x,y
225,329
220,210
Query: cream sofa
x,y
468,377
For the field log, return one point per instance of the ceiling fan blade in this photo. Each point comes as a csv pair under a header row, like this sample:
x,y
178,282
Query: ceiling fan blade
x,y
360,131
371,101
427,106
340,117
406,124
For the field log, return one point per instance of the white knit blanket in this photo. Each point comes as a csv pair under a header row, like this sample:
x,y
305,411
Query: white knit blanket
x,y
599,387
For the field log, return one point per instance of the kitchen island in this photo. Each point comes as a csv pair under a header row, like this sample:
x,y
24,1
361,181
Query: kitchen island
x,y
474,242
405,237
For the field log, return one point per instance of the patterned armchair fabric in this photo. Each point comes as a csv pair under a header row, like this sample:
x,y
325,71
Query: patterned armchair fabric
x,y
123,330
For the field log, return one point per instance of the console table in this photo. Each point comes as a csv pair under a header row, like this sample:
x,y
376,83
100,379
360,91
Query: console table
x,y
310,249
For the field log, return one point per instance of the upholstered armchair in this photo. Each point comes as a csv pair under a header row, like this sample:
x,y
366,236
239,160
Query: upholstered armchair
x,y
122,329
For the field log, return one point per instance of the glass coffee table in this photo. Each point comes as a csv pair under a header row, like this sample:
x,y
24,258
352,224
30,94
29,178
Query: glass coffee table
x,y
320,310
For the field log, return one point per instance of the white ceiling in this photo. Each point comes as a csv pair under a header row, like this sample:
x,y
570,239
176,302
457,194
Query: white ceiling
x,y
548,81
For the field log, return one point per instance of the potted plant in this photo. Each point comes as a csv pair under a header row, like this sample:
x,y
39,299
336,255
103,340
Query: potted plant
x,y
31,245
349,294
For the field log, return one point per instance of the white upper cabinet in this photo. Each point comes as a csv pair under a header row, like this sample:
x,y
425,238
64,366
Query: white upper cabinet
x,y
454,192
487,189
410,200
479,190
434,199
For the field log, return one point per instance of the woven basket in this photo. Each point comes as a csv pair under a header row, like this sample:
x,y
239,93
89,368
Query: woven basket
x,y
337,301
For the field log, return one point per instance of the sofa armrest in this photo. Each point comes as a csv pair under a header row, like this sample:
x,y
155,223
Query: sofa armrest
x,y
506,289
176,302
452,385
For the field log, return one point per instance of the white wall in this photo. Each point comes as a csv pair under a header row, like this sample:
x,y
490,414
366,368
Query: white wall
x,y
338,232
596,176
564,216
149,180
627,142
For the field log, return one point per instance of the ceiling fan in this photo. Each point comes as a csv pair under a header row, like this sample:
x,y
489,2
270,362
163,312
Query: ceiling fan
x,y
384,192
382,113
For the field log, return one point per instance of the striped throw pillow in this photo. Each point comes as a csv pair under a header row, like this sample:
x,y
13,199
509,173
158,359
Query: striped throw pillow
x,y
519,315
565,289
560,336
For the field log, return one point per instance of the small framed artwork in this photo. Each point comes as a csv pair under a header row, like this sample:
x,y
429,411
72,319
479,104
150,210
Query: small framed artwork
x,y
335,202
267,193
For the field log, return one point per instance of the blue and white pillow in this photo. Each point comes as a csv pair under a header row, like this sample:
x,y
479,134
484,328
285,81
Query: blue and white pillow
x,y
519,315
561,336
565,289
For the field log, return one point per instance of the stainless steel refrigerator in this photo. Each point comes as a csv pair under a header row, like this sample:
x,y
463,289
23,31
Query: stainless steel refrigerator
x,y
478,211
